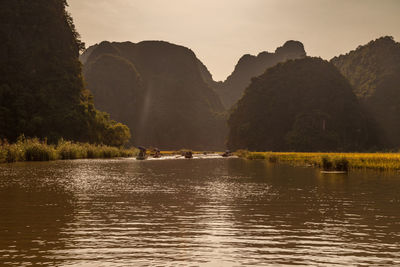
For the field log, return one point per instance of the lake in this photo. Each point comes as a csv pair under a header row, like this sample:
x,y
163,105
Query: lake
x,y
195,212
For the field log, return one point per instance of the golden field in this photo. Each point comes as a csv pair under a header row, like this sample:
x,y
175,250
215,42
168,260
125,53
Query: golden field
x,y
379,161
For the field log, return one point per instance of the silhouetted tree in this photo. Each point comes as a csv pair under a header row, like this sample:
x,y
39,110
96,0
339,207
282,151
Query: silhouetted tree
x,y
41,87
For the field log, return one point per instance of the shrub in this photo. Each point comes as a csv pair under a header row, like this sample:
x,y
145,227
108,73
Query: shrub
x,y
35,150
242,153
335,164
14,153
70,150
327,164
341,164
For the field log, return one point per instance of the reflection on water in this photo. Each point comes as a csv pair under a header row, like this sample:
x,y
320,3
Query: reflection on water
x,y
212,212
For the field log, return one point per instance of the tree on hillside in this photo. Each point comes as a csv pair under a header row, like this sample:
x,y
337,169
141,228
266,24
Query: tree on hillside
x,y
374,72
41,86
300,105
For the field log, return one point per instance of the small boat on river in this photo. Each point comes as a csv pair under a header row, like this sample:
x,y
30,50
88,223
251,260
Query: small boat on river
x,y
157,153
188,155
142,153
226,154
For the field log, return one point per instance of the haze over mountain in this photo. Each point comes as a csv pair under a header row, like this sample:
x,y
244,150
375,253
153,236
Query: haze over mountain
x,y
41,87
158,90
374,71
250,66
221,31
300,105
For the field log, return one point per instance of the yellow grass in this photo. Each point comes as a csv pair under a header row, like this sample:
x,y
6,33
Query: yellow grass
x,y
33,149
381,161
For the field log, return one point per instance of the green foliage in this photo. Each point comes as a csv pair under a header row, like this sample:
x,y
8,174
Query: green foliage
x,y
27,149
41,87
334,163
341,164
373,70
300,105
11,153
70,150
39,151
326,163
117,134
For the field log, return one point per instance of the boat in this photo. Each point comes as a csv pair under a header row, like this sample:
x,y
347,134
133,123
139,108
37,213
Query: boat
x,y
142,153
157,153
226,154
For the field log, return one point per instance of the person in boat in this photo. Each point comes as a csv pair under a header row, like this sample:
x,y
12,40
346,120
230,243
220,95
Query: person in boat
x,y
142,153
157,153
188,154
227,153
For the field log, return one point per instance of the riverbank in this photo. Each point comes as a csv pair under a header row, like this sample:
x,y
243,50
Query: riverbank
x,y
36,150
377,161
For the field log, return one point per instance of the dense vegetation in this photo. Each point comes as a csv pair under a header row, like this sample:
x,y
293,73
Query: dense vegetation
x,y
376,161
156,88
374,72
300,105
41,86
35,150
231,90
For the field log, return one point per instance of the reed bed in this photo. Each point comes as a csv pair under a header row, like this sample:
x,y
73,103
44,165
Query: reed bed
x,y
338,161
33,149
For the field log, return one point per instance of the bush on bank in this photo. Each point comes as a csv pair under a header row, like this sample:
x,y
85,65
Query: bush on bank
x,y
33,149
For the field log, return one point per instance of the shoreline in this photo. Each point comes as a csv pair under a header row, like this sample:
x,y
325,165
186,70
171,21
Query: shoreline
x,y
28,150
32,149
35,150
373,161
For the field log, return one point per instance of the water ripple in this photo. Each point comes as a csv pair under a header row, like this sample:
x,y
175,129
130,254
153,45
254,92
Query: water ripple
x,y
208,212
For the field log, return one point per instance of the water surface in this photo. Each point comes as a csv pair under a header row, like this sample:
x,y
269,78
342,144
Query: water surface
x,y
207,212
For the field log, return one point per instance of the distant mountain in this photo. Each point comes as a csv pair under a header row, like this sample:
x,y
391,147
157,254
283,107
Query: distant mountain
x,y
300,105
159,91
374,71
41,87
250,66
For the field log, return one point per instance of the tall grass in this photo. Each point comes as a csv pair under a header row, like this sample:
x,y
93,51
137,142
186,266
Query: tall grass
x,y
330,161
36,150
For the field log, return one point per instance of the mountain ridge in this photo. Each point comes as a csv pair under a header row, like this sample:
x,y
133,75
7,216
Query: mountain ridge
x,y
171,107
300,105
250,66
373,70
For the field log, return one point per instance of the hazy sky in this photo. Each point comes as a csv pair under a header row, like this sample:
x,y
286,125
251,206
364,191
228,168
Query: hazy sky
x,y
221,31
